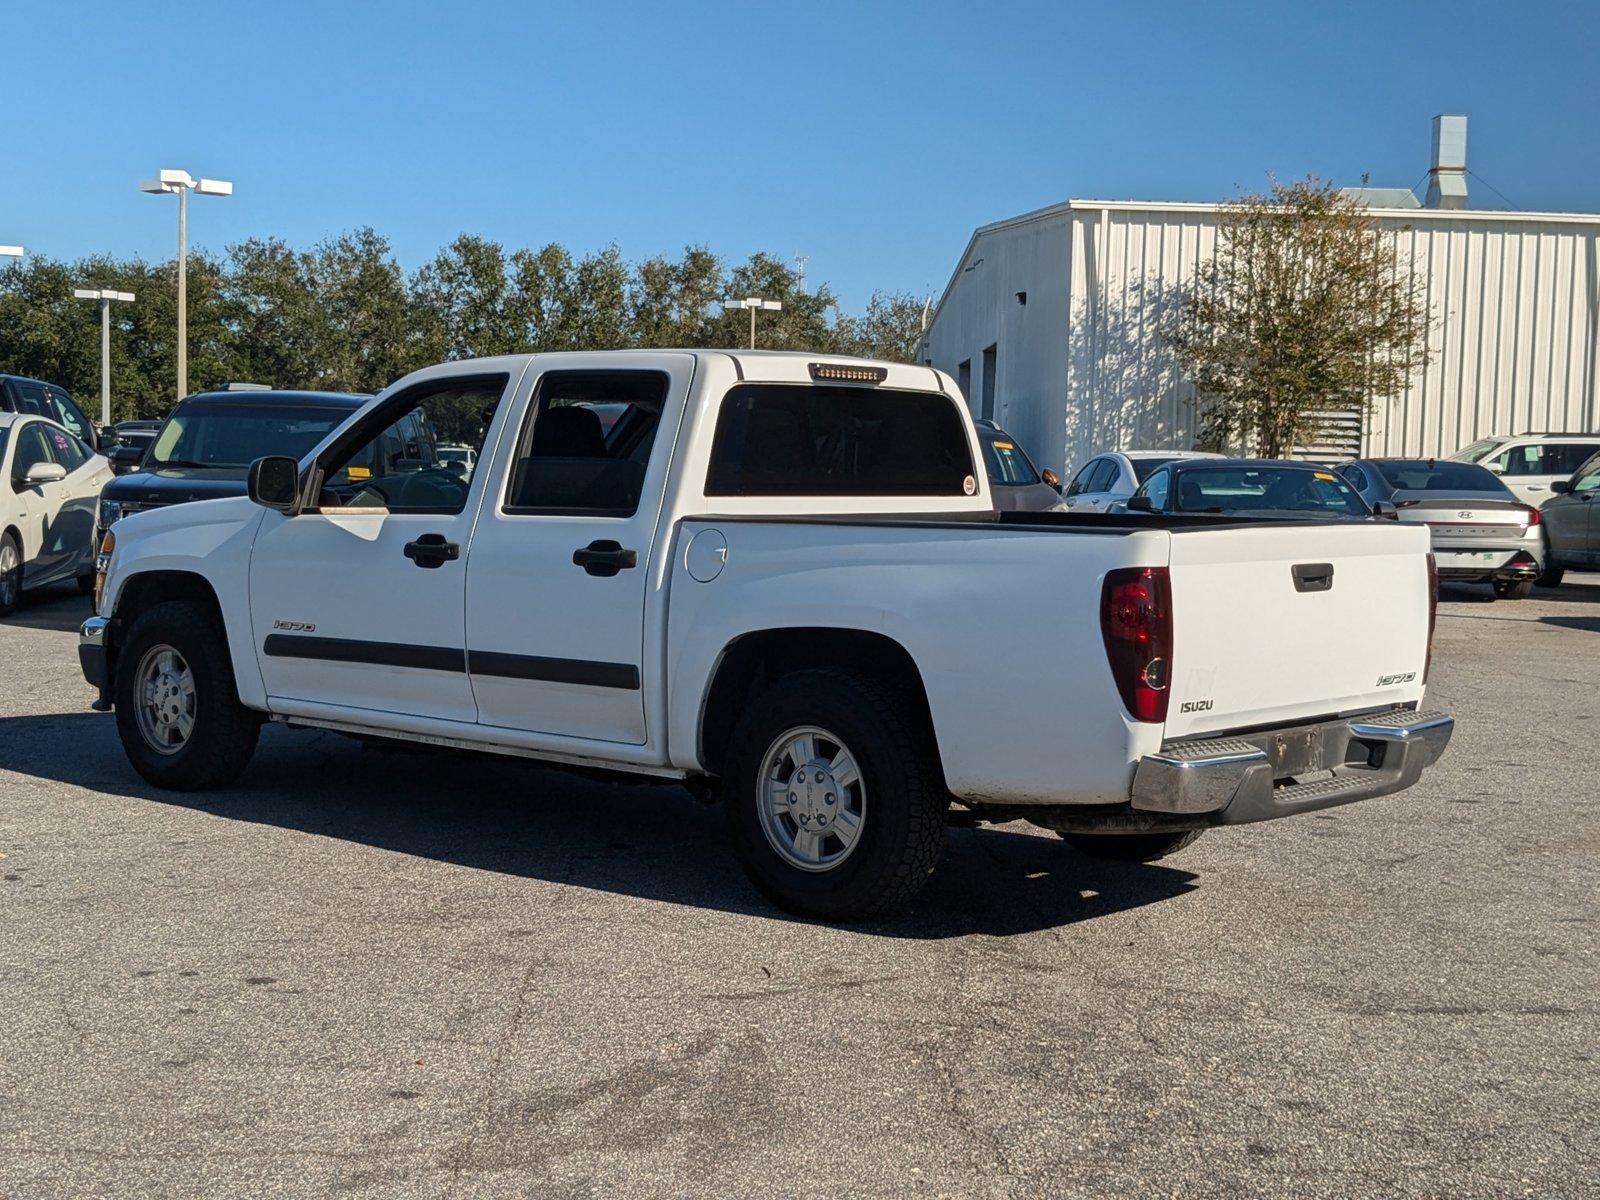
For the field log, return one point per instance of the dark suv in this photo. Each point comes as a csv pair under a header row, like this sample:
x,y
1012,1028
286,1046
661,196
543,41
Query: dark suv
x,y
204,448
19,394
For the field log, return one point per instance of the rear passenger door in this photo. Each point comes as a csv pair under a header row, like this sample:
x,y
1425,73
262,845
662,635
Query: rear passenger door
x,y
559,567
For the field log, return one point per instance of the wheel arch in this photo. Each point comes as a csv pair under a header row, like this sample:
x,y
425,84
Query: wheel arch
x,y
751,660
145,589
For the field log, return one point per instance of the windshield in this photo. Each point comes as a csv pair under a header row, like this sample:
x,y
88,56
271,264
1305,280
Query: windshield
x,y
1475,451
1006,463
216,434
1437,475
5,431
1143,466
1261,489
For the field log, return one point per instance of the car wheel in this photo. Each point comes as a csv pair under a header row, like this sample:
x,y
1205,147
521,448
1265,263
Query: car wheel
x,y
1513,589
1131,847
178,712
1552,576
834,796
10,574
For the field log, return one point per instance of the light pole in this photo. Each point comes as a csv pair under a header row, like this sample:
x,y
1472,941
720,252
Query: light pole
x,y
183,183
106,298
753,303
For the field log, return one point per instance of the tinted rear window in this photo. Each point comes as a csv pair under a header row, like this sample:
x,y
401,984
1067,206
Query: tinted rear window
x,y
788,440
1438,475
1266,489
1006,462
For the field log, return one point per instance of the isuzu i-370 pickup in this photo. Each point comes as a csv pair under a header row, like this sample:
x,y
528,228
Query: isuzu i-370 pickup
x,y
779,579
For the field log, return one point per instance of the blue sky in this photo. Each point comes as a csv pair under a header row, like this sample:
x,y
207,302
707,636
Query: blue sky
x,y
871,137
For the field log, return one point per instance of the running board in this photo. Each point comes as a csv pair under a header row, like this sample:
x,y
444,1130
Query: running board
x,y
457,743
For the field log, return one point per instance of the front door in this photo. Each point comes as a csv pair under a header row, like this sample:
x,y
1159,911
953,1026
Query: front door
x,y
560,565
357,601
46,550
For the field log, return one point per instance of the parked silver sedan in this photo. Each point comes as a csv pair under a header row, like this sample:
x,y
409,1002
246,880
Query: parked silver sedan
x,y
1481,532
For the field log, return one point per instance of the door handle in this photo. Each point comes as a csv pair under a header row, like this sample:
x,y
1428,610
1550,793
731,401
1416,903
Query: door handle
x,y
1312,577
432,551
605,558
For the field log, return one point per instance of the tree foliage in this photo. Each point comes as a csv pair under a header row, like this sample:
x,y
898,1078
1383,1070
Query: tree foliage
x,y
1304,310
344,316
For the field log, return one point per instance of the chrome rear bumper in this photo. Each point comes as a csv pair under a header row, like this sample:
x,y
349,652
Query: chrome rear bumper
x,y
1279,772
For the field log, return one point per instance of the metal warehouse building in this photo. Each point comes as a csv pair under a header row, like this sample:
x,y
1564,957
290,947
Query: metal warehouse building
x,y
1051,322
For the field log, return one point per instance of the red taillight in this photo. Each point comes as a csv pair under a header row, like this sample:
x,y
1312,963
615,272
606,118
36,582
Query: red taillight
x,y
1433,613
1136,622
1533,517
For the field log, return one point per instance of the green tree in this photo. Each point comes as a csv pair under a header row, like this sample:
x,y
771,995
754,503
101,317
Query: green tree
x,y
890,328
1304,310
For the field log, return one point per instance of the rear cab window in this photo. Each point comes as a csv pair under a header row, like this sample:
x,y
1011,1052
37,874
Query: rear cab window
x,y
781,439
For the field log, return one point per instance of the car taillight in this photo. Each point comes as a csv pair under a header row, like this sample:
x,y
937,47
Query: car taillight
x,y
1533,517
1136,622
1433,613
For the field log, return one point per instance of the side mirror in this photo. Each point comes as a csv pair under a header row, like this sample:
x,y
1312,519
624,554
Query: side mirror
x,y
275,484
1561,486
1139,504
1494,468
1384,508
1051,478
125,458
44,472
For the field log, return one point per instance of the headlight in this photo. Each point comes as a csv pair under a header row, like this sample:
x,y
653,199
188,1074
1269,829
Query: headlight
x,y
102,564
110,511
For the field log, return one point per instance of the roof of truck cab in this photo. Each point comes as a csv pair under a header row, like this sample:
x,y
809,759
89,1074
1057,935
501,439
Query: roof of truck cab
x,y
349,400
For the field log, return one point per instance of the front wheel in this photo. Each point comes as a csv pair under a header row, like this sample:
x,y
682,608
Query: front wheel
x,y
1131,847
178,713
10,574
1513,589
833,795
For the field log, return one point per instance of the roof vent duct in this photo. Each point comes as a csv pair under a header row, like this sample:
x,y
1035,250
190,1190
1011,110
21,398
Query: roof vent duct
x,y
1447,174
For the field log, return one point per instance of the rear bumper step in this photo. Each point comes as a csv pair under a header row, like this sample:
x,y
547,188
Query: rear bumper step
x,y
1280,772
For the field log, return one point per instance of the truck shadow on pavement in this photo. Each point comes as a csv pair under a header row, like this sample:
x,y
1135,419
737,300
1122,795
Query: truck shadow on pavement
x,y
650,842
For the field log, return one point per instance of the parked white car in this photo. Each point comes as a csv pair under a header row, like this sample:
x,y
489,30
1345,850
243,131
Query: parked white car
x,y
762,581
51,484
1529,464
1111,478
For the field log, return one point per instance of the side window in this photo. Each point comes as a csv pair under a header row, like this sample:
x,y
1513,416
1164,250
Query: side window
x,y
1159,487
1080,481
1354,476
586,443
386,468
1588,476
70,415
32,399
68,451
1106,477
32,449
1566,459
821,440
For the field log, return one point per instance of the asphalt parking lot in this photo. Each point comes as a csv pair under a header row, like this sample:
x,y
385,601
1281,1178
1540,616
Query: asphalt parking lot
x,y
372,973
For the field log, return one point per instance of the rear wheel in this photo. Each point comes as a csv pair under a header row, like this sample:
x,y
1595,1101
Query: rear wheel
x,y
1552,575
1131,847
833,795
178,713
1513,589
10,574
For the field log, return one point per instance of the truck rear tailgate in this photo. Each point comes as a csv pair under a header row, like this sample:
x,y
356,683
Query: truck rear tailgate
x,y
1273,625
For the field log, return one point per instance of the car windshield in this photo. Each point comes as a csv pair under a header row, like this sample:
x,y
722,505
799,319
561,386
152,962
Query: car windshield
x,y
1266,489
5,432
1475,451
214,434
1143,466
1437,475
1006,463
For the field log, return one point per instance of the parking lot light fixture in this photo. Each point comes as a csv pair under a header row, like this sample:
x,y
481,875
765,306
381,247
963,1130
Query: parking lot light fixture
x,y
107,298
755,304
10,251
183,183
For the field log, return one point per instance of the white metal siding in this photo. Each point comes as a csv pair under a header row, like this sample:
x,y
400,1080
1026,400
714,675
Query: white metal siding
x,y
1515,299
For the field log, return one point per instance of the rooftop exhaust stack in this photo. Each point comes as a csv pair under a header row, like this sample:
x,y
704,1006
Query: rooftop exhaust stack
x,y
1447,175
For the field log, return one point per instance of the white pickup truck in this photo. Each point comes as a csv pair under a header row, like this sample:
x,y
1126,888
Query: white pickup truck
x,y
779,579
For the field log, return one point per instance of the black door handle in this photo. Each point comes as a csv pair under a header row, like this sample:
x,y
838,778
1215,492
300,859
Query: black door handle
x,y
605,558
431,551
1312,577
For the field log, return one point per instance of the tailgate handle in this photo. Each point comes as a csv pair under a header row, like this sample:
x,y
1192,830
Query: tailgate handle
x,y
1312,577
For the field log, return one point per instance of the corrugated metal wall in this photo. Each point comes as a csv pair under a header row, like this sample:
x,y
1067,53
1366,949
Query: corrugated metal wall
x,y
1515,299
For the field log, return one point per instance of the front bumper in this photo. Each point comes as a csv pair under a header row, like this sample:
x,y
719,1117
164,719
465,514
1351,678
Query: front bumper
x,y
93,658
1280,772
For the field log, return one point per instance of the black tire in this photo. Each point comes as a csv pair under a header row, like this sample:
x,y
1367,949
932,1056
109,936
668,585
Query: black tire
x,y
1131,847
901,835
224,732
11,581
1553,575
1513,589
